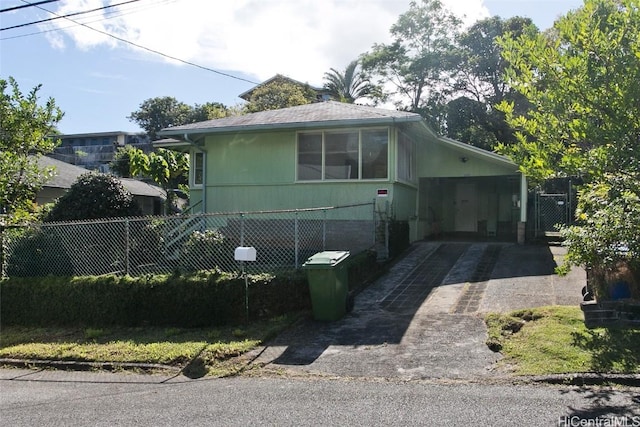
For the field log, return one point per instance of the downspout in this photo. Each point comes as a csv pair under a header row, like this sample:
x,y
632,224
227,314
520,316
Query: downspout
x,y
204,171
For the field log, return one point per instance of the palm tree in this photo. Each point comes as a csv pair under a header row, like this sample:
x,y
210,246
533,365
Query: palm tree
x,y
348,86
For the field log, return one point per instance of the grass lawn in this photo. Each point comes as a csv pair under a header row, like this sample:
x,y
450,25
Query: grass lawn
x,y
197,351
554,340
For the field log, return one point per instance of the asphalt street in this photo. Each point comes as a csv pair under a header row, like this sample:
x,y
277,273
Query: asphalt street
x,y
30,398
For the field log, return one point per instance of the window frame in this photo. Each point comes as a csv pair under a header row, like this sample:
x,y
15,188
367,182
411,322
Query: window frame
x,y
194,169
405,161
323,133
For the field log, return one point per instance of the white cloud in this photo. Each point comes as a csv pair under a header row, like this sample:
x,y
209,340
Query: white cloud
x,y
298,38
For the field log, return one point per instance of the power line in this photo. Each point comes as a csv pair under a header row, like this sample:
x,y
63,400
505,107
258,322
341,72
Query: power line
x,y
67,16
108,15
9,9
149,49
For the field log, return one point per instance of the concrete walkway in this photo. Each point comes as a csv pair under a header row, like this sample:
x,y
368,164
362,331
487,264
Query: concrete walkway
x,y
423,319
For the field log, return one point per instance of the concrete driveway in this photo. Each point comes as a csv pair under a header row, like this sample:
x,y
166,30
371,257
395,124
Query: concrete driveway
x,y
423,319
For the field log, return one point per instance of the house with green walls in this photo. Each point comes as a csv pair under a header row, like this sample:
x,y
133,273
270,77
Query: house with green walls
x,y
332,154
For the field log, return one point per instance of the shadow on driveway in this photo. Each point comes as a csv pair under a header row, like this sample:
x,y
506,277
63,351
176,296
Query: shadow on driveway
x,y
410,323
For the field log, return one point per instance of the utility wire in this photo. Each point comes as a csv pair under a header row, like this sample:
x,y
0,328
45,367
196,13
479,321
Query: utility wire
x,y
108,15
9,9
151,50
67,16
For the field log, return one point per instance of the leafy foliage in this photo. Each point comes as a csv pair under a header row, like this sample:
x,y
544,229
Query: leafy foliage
x,y
25,134
472,117
155,114
121,163
419,61
94,196
169,169
348,86
279,93
582,81
200,299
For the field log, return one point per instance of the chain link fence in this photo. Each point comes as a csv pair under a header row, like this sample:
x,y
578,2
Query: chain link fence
x,y
551,212
155,245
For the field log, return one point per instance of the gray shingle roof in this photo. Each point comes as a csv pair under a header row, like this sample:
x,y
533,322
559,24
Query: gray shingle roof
x,y
316,114
66,174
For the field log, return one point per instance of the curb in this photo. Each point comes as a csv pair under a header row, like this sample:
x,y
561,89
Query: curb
x,y
589,378
578,379
73,365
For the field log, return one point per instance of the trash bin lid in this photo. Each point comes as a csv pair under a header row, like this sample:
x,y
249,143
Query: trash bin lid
x,y
326,258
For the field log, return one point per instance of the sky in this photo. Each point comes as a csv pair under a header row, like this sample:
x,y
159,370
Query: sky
x,y
198,51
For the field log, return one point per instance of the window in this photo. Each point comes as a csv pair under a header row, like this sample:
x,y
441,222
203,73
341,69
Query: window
x,y
349,154
405,158
198,168
374,154
341,155
309,156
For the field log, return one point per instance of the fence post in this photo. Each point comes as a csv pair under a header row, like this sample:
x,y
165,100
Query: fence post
x,y
324,229
242,229
296,242
386,228
127,250
3,270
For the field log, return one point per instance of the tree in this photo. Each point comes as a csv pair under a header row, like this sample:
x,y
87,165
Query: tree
x,y
167,168
121,163
581,78
155,114
481,85
279,93
418,63
208,111
94,196
347,86
26,130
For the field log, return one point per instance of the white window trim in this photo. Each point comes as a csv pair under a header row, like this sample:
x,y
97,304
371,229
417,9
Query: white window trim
x,y
192,174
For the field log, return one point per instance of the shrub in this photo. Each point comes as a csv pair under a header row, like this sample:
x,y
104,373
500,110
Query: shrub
x,y
207,298
36,252
94,196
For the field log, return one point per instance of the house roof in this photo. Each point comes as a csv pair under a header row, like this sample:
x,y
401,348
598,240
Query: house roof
x,y
66,174
316,115
247,94
329,113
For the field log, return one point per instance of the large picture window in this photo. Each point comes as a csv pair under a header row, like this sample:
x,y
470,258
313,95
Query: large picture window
x,y
343,155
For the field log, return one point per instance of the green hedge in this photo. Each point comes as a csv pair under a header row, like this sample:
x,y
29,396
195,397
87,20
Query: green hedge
x,y
199,299
205,298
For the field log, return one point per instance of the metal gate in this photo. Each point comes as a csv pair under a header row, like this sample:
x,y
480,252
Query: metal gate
x,y
551,212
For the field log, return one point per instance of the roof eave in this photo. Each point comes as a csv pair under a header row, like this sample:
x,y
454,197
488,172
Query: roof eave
x,y
292,125
497,158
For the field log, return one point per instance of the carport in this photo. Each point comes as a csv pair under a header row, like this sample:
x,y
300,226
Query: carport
x,y
467,192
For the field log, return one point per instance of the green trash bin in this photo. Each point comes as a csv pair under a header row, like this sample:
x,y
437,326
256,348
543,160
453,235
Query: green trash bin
x,y
328,279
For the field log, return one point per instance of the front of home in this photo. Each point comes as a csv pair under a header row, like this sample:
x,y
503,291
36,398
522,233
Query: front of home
x,y
332,154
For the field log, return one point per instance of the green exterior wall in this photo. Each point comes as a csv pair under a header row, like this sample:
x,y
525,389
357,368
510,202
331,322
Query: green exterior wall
x,y
257,171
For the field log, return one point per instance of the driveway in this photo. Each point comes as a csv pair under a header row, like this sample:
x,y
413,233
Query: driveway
x,y
423,319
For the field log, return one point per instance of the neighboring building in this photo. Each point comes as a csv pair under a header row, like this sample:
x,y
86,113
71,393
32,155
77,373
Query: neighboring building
x,y
321,93
149,198
95,151
331,154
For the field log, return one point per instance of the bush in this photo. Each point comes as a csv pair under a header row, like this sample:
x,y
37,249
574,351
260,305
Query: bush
x,y
205,249
36,252
94,196
202,299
